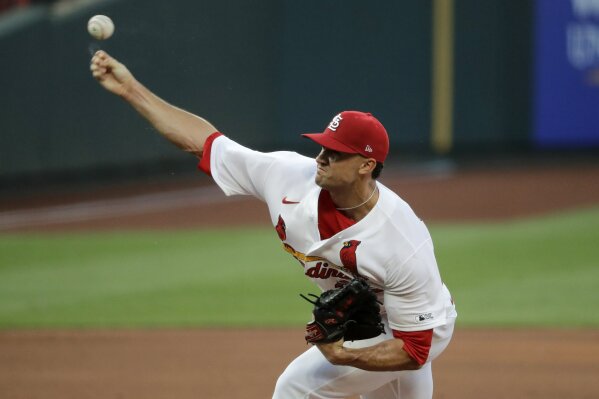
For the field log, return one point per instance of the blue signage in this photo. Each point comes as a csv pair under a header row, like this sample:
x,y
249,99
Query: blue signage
x,y
566,108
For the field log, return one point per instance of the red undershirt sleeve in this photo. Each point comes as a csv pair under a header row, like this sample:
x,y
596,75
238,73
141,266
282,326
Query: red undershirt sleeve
x,y
204,164
416,343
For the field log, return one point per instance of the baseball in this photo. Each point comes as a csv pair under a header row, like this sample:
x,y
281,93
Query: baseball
x,y
100,27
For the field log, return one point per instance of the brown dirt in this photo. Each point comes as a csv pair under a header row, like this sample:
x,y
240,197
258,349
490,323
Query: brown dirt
x,y
479,363
212,363
476,194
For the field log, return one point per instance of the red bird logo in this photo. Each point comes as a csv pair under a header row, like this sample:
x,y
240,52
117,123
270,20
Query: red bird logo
x,y
281,229
348,255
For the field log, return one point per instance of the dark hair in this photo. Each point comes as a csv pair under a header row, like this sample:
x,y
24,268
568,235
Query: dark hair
x,y
376,172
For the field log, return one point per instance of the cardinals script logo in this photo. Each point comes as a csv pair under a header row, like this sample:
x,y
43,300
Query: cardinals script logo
x,y
348,255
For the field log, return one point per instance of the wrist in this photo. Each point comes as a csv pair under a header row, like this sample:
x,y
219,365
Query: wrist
x,y
336,353
130,90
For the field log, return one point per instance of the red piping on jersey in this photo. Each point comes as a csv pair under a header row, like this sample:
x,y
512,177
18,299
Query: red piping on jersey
x,y
204,164
417,344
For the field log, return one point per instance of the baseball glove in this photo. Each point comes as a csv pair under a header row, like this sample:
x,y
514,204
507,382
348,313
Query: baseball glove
x,y
351,312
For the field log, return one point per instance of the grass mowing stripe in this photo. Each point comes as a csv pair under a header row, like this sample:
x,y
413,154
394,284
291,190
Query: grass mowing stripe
x,y
529,272
525,273
206,277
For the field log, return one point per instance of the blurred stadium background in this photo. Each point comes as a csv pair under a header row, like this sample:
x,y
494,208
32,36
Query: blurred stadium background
x,y
479,78
493,113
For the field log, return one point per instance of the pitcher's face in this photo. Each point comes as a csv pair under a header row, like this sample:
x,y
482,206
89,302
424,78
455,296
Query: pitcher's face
x,y
337,169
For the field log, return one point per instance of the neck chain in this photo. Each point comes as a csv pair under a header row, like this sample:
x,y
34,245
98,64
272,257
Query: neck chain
x,y
359,205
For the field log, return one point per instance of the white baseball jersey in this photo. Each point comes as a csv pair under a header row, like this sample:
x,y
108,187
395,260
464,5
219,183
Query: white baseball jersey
x,y
391,246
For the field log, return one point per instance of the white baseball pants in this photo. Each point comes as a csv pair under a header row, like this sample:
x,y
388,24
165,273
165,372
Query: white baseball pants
x,y
311,376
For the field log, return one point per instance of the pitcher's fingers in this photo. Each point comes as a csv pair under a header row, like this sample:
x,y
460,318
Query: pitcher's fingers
x,y
99,73
95,60
105,59
97,70
109,62
96,67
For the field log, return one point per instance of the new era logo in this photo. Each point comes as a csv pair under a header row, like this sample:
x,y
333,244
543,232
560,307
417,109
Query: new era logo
x,y
368,148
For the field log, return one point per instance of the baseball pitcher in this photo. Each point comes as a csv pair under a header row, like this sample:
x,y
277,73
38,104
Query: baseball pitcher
x,y
384,314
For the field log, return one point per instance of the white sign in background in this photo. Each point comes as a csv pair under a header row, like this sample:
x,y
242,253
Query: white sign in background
x,y
582,35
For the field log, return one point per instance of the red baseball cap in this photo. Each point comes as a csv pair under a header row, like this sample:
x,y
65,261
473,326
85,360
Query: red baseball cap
x,y
355,132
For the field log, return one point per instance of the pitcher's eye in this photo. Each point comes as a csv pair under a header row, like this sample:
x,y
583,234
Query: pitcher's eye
x,y
331,154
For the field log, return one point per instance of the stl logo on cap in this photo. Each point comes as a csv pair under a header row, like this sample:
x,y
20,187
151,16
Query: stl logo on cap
x,y
354,132
335,122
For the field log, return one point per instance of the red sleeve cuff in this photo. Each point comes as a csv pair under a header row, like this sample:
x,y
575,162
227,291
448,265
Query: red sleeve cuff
x,y
204,164
416,343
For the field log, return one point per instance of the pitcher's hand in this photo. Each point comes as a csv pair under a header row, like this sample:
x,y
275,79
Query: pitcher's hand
x,y
111,74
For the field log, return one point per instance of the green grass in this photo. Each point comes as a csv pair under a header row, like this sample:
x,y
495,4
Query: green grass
x,y
536,272
226,277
